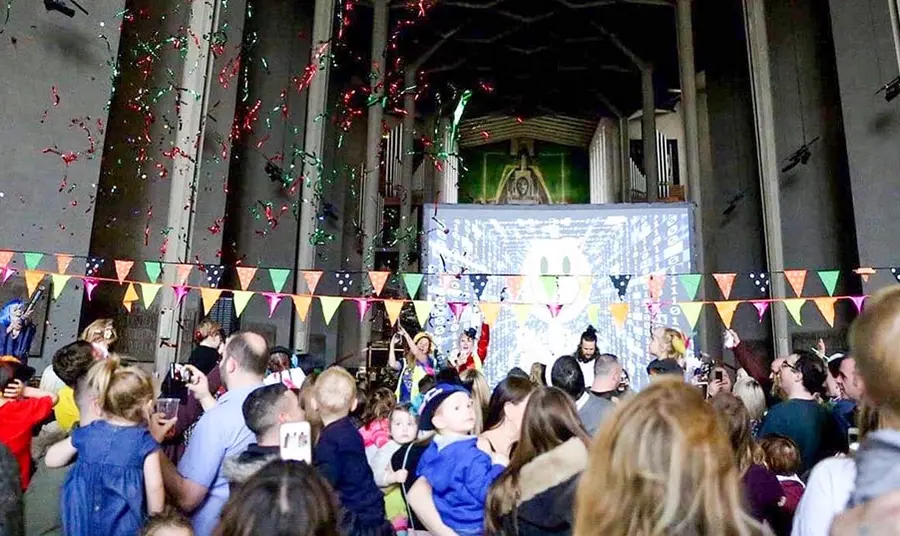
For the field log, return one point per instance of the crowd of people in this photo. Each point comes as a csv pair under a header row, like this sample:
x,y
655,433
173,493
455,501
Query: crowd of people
x,y
804,444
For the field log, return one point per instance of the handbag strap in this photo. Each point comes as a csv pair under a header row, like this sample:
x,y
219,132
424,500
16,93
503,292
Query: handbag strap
x,y
405,491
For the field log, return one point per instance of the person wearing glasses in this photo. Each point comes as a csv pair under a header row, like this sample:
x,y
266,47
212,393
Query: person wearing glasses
x,y
801,417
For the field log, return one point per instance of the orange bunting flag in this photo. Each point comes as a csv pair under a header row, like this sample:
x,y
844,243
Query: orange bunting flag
x,y
32,280
863,271
826,307
490,311
184,270
726,310
122,269
796,278
63,262
725,281
5,257
378,280
245,276
619,311
210,296
312,279
655,284
393,308
302,303
514,284
423,311
131,296
330,304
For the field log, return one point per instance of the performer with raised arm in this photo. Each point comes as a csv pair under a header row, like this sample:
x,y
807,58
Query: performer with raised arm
x,y
16,327
469,356
417,363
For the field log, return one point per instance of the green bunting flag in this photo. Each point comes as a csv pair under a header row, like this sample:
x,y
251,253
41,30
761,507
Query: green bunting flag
x,y
32,260
829,279
153,269
691,284
279,277
412,282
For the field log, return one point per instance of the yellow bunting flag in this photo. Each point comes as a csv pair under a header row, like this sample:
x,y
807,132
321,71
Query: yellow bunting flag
x,y
522,310
585,283
122,269
726,311
59,283
149,291
793,306
796,278
826,307
312,279
245,276
32,280
490,311
393,308
691,311
594,314
330,304
302,303
378,280
240,299
423,311
63,262
725,281
130,297
210,296
619,311
182,273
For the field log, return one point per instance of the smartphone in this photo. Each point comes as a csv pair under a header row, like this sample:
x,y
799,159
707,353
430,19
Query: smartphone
x,y
719,375
295,441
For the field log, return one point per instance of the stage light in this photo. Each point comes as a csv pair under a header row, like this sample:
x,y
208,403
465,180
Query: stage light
x,y
798,157
891,89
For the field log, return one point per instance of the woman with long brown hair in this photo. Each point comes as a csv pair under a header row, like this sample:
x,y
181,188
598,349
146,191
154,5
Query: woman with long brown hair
x,y
503,419
662,465
536,492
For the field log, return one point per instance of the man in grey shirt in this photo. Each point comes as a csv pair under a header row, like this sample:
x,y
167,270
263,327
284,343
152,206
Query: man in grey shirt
x,y
601,395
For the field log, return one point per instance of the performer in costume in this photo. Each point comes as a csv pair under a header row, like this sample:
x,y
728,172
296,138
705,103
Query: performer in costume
x,y
468,356
16,330
587,353
417,363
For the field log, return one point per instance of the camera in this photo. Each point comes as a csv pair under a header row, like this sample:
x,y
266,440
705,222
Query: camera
x,y
180,373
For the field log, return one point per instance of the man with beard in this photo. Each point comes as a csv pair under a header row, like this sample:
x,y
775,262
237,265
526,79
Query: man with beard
x,y
587,353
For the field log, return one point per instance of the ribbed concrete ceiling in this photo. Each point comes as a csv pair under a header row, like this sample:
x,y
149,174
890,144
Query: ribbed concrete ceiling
x,y
555,129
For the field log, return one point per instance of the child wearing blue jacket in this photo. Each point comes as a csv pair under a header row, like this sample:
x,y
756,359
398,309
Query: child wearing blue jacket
x,y
458,473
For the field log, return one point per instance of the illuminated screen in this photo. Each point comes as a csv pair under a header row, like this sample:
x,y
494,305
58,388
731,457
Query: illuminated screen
x,y
569,241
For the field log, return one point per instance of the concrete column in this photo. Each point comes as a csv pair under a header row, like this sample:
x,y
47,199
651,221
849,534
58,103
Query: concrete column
x,y
204,18
625,159
313,142
764,119
406,170
648,133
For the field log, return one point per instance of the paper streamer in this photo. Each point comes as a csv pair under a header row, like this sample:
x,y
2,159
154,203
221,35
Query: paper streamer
x,y
829,279
489,311
274,299
63,262
412,283
209,297
691,284
122,270
423,311
378,280
793,306
362,306
240,299
726,282
330,304
153,270
279,278
691,312
312,278
180,293
89,285
32,260
619,313
393,309
302,303
761,308
32,280
726,311
58,282
245,276
149,292
796,278
826,307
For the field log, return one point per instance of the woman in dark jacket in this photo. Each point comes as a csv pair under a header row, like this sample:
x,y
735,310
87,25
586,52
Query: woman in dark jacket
x,y
535,495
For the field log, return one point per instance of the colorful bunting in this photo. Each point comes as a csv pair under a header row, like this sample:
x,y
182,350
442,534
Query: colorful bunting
x,y
726,282
393,309
865,272
32,280
130,297
691,312
93,266
7,273
362,305
182,272
620,283
761,307
761,280
32,260
209,297
279,278
214,275
122,270
554,309
149,292
423,311
245,276
726,308
457,308
302,303
691,284
619,313
896,273
654,308
153,270
655,283
58,282
446,280
344,281
312,278
796,278
63,262
274,299
793,306
479,282
412,283
550,285
585,284
330,304
594,314
829,279
240,299
858,302
522,311
489,311
180,293
378,280
89,285
5,257
514,285
826,307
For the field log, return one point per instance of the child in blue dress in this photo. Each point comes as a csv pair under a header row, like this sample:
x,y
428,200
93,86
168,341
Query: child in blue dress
x,y
116,480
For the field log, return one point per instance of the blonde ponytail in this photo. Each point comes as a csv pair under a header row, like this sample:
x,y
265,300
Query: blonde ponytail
x,y
121,391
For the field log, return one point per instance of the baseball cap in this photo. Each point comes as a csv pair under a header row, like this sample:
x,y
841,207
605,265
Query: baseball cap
x,y
433,400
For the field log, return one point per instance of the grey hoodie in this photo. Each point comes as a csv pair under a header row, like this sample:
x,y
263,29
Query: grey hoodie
x,y
878,466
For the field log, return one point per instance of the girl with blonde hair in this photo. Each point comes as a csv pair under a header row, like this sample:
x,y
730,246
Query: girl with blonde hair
x,y
102,334
475,382
668,343
417,363
662,465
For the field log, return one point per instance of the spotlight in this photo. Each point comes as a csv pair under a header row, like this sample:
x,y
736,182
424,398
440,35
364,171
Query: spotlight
x,y
891,89
798,157
63,7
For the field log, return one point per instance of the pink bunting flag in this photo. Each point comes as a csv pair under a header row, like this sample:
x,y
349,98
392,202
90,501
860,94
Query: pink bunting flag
x,y
362,305
180,293
7,273
554,308
446,280
865,272
457,308
274,299
725,281
63,262
122,269
655,284
654,308
514,284
89,285
761,308
5,257
858,302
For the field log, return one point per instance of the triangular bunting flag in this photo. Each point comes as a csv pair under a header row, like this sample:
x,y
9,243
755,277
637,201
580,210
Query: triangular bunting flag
x,y
32,280
726,308
829,279
655,283
32,260
5,257
362,305
864,272
554,309
214,275
240,299
412,283
122,269
149,292
514,284
479,282
691,284
7,273
183,271
153,270
796,278
209,296
180,293
89,285
312,279
793,306
62,263
92,266
522,311
858,302
279,278
59,283
274,299
127,305
691,312
344,281
130,297
330,304
594,314
620,283
457,309
586,284
489,311
826,307
761,280
550,285
393,309
378,280
761,308
896,273
619,313
725,281
423,311
302,303
654,309
245,276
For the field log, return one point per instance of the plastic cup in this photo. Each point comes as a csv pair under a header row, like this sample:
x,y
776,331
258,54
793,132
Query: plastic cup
x,y
168,406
